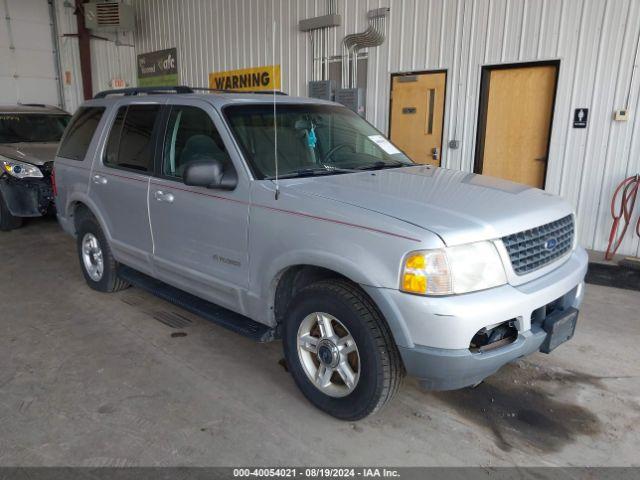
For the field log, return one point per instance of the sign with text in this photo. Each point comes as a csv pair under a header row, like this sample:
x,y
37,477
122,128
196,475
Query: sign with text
x,y
118,83
580,117
247,79
160,68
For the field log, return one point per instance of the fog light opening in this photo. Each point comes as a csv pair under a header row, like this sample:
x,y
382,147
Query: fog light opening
x,y
496,337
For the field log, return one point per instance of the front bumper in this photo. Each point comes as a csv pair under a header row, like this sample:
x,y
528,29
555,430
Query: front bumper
x,y
434,334
440,369
32,197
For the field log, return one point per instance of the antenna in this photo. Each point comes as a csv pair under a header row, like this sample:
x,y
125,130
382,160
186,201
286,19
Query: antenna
x,y
275,118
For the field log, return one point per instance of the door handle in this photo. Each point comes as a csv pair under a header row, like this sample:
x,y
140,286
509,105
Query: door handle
x,y
160,196
99,180
435,153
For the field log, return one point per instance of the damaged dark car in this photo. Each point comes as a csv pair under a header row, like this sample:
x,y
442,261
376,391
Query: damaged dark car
x,y
29,137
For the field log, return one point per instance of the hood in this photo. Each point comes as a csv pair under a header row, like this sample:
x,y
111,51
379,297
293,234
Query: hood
x,y
459,207
34,153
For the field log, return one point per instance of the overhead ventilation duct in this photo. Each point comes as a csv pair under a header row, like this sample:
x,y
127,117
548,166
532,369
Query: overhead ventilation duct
x,y
109,16
373,36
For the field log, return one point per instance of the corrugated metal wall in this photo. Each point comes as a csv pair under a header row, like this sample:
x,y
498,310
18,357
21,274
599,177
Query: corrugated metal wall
x,y
113,56
596,42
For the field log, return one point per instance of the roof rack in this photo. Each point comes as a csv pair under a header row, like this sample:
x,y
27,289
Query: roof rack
x,y
144,90
222,90
176,89
40,105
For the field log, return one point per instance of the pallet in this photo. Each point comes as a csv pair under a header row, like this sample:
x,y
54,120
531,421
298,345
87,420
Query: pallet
x,y
618,276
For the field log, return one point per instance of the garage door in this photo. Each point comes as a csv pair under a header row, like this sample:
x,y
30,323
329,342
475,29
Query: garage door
x,y
27,58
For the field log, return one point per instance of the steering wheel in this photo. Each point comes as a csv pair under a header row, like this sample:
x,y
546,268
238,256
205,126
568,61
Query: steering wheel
x,y
334,149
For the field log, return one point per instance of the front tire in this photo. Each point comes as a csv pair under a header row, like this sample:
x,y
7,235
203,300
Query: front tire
x,y
340,351
7,221
99,268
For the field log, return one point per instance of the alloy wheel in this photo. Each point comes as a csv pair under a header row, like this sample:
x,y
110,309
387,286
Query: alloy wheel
x,y
92,257
328,354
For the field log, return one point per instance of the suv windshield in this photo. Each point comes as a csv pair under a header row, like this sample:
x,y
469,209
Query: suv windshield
x,y
312,139
31,127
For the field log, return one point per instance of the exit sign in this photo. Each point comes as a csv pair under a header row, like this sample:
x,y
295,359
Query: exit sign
x,y
118,83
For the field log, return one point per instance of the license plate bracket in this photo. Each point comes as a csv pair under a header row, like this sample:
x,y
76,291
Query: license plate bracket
x,y
560,327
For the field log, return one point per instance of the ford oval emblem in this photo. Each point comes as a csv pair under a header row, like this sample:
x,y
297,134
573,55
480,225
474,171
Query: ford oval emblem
x,y
550,244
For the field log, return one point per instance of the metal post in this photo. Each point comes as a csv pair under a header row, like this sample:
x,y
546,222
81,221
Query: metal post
x,y
84,45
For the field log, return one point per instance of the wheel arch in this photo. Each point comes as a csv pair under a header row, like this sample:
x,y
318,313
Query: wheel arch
x,y
291,279
79,204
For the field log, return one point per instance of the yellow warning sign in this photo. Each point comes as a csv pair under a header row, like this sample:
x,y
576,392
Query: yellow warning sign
x,y
256,78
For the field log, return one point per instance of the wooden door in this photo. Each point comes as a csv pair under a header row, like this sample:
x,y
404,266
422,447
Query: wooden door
x,y
515,123
417,115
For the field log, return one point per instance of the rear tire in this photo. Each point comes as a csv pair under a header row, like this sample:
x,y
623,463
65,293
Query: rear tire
x,y
7,221
98,266
353,371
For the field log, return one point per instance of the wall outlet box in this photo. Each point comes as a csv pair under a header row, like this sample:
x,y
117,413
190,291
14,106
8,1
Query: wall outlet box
x,y
352,98
323,89
621,115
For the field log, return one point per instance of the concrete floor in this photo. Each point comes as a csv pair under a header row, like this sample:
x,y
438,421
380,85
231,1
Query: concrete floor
x,y
98,380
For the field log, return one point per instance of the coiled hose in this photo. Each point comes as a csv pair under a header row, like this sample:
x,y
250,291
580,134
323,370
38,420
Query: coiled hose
x,y
623,213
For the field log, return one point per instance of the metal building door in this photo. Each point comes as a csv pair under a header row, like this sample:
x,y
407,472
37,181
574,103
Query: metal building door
x,y
516,109
417,115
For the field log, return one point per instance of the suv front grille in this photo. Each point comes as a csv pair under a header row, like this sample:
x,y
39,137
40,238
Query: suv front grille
x,y
532,249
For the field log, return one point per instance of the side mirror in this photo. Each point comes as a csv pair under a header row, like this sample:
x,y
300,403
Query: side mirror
x,y
210,174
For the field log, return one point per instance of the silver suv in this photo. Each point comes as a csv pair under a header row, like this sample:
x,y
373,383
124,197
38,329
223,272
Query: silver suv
x,y
294,219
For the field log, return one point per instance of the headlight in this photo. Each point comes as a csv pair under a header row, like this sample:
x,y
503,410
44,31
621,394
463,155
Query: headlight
x,y
20,169
452,270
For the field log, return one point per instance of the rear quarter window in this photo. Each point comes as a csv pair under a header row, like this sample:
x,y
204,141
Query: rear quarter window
x,y
79,133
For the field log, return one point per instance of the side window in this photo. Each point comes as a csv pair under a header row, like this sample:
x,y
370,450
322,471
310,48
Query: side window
x,y
129,145
79,133
191,137
113,143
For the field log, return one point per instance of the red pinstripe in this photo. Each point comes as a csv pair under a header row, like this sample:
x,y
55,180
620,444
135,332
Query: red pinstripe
x,y
275,209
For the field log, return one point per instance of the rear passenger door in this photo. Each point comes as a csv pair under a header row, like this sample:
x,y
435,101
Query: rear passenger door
x,y
74,159
200,234
120,182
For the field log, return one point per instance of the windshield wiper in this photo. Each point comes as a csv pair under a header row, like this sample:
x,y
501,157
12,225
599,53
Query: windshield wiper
x,y
380,165
332,168
305,172
309,172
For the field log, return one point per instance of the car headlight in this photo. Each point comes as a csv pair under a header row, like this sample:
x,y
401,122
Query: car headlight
x,y
452,270
20,169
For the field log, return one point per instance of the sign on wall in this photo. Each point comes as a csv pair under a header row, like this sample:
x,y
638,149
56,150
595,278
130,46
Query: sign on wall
x,y
118,83
158,68
256,78
580,117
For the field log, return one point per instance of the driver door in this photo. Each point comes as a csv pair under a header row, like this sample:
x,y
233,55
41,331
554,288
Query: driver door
x,y
199,234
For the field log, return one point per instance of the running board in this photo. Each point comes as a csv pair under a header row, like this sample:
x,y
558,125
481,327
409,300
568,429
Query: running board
x,y
196,305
